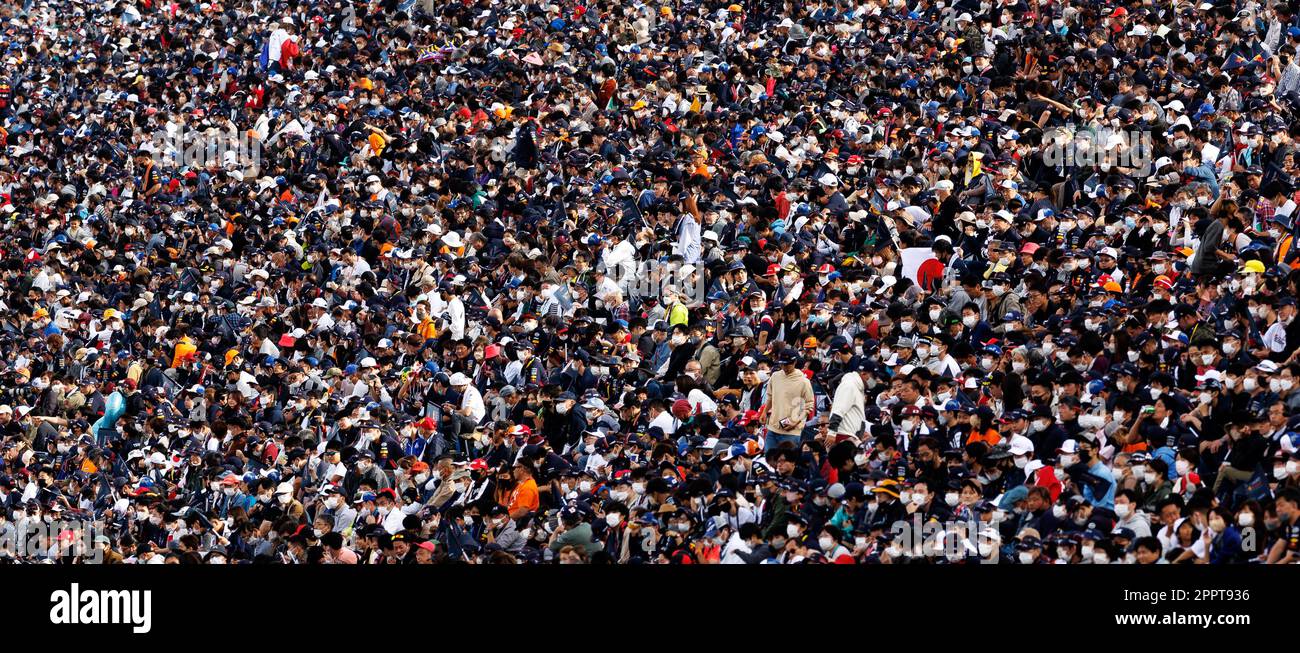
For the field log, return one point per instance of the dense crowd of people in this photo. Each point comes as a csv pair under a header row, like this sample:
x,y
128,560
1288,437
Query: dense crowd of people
x,y
931,282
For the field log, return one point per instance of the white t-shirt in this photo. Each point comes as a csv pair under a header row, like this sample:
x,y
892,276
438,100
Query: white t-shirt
x,y
665,421
473,401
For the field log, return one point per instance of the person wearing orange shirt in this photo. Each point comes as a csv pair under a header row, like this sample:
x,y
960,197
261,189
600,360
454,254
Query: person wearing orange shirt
x,y
184,348
982,430
524,500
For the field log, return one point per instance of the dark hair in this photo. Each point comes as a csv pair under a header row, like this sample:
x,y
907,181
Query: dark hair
x,y
1291,495
332,540
1150,543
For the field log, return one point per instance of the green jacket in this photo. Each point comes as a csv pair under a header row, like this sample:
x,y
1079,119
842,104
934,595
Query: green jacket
x,y
579,535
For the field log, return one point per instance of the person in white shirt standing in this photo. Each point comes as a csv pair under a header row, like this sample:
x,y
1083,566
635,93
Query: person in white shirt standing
x,y
455,309
848,410
687,231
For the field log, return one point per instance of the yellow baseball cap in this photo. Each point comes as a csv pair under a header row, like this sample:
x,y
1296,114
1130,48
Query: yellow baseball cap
x,y
1256,267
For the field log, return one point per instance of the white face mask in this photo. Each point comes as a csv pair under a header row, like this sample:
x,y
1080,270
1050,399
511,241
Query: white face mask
x,y
1182,467
935,313
1250,384
1246,519
969,321
1058,511
613,519
825,543
952,498
791,530
1123,510
1026,558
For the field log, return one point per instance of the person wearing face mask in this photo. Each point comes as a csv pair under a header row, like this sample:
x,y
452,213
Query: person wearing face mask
x,y
1155,485
1046,433
1097,482
1129,513
1286,470
1029,551
923,502
500,530
284,497
335,506
575,531
830,543
1006,306
974,330
1225,542
366,470
880,508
